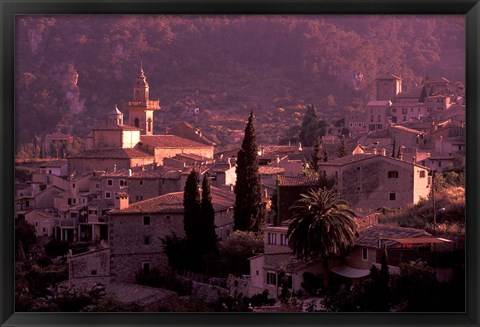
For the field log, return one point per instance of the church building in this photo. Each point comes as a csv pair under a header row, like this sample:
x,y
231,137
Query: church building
x,y
135,146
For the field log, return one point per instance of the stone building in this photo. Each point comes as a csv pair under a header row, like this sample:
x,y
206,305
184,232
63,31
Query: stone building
x,y
136,230
372,181
388,86
135,146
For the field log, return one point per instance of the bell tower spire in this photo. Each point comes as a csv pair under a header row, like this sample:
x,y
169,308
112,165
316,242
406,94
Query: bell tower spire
x,y
141,108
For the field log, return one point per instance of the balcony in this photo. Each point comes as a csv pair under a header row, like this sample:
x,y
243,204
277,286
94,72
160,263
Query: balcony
x,y
94,219
66,223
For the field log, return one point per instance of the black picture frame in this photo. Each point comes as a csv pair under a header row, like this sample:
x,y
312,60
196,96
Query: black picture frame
x,y
8,10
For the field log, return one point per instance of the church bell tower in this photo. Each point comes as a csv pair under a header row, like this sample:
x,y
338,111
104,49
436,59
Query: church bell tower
x,y
141,108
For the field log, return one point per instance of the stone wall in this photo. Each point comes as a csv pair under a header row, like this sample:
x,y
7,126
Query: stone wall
x,y
127,243
94,264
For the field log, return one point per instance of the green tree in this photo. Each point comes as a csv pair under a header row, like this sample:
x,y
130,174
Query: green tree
x,y
207,225
192,207
342,149
249,211
311,127
24,237
376,296
418,285
317,154
322,227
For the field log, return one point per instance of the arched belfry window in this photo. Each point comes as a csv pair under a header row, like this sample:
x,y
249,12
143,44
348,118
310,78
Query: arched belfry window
x,y
137,122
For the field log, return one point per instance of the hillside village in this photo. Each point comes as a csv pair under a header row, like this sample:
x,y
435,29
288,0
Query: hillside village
x,y
113,204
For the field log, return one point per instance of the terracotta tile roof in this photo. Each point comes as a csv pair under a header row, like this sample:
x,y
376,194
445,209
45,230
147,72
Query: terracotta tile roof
x,y
227,154
173,203
220,167
54,163
406,129
370,236
191,156
364,156
268,170
148,174
118,173
190,132
170,141
297,181
112,153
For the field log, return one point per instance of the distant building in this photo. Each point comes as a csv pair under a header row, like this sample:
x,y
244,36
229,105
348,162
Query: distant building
x,y
372,181
134,146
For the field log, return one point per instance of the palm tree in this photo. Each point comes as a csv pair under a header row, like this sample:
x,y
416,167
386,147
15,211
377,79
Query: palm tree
x,y
321,227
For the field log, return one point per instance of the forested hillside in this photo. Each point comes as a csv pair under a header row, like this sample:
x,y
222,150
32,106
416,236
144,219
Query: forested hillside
x,y
72,70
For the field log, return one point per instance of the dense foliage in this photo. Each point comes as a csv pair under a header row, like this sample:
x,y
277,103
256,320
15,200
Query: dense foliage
x,y
249,214
209,242
71,70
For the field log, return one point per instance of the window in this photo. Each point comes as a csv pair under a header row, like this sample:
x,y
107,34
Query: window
x,y
146,220
73,185
283,239
422,174
109,182
74,201
364,254
141,182
439,164
358,168
36,224
108,195
272,238
393,174
93,272
139,197
271,278
146,240
257,272
393,196
168,219
146,266
122,182
371,119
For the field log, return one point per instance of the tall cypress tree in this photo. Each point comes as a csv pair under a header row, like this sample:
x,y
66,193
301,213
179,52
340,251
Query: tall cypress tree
x,y
207,224
394,146
317,154
249,209
192,207
342,149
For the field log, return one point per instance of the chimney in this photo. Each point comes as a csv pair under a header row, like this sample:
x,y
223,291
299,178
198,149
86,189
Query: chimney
x,y
121,200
